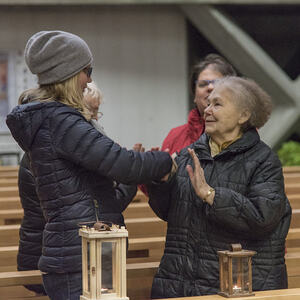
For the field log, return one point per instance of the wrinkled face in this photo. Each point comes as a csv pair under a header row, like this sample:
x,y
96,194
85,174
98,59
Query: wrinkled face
x,y
202,90
223,118
84,78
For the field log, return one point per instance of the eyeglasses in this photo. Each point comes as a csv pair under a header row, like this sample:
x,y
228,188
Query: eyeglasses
x,y
203,83
88,71
99,114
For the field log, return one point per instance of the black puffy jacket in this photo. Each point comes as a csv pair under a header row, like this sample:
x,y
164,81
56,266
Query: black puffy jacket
x,y
250,207
74,165
32,226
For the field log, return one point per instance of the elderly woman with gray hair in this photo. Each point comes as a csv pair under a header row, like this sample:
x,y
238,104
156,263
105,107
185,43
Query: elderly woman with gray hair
x,y
229,188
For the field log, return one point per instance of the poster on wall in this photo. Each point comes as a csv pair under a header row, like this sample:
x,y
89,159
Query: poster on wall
x,y
15,78
4,98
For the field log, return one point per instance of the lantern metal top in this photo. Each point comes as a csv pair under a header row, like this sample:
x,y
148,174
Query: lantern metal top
x,y
102,230
237,251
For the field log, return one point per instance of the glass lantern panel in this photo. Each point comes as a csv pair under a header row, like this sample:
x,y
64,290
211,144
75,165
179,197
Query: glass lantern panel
x,y
226,273
245,270
240,276
88,260
108,267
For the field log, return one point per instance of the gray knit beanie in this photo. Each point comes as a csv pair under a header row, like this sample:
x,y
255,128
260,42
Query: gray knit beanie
x,y
55,56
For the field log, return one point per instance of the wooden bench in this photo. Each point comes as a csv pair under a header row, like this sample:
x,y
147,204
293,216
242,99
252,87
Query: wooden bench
x,y
137,227
295,222
11,211
139,281
139,250
9,191
10,203
9,172
4,182
11,282
291,169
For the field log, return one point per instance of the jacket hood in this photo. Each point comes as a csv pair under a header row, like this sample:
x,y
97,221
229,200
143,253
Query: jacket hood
x,y
25,120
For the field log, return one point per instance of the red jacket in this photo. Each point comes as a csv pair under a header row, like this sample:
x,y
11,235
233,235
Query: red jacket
x,y
184,135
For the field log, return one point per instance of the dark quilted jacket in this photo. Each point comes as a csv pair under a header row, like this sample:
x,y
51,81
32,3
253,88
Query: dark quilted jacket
x,y
31,230
74,166
250,207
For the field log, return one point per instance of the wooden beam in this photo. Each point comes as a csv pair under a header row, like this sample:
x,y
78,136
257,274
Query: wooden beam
x,y
252,61
146,2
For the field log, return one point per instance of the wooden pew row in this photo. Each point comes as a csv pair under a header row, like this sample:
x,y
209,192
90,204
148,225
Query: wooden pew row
x,y
293,240
11,215
291,169
291,177
292,188
9,191
11,282
137,227
13,202
156,244
9,168
9,171
12,191
286,169
4,182
139,250
295,222
294,200
10,203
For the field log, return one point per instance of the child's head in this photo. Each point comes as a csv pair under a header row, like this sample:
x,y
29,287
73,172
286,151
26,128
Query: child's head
x,y
92,97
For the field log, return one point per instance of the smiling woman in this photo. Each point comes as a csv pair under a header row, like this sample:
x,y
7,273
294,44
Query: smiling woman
x,y
235,106
228,189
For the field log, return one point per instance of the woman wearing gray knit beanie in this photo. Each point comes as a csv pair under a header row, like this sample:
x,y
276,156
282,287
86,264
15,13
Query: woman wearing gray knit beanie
x,y
74,165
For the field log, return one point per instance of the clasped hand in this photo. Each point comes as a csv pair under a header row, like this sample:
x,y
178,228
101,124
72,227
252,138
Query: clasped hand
x,y
139,147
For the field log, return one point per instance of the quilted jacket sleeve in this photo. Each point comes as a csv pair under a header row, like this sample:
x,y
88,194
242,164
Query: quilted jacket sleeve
x,y
125,194
261,210
160,195
77,140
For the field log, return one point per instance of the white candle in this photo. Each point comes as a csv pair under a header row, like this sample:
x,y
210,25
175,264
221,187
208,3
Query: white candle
x,y
236,289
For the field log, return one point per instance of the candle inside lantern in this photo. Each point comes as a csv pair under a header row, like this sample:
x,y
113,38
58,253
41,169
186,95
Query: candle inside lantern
x,y
236,289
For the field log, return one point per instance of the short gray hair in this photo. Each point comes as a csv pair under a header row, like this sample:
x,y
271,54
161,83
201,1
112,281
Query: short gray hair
x,y
248,96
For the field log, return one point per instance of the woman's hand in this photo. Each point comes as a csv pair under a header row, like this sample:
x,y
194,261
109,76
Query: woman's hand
x,y
202,189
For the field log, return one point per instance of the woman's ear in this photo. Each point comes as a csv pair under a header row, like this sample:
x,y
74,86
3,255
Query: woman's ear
x,y
244,117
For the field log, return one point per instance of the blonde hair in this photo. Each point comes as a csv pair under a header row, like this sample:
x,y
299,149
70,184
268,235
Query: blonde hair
x,y
67,92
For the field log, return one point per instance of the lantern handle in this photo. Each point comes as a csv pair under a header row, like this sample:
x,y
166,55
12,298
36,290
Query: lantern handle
x,y
236,247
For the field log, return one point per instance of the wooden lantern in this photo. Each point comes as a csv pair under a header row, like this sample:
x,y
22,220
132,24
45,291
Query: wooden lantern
x,y
103,262
235,272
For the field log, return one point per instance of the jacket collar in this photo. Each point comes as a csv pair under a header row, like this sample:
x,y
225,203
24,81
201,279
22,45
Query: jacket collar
x,y
249,139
